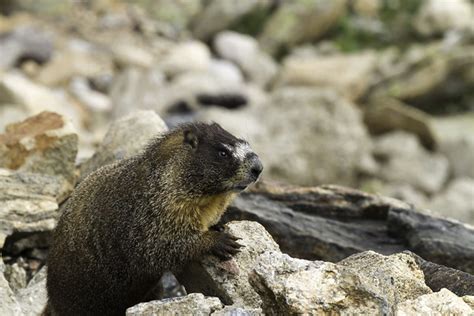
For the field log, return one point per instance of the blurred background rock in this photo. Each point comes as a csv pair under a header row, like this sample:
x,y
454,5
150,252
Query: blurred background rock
x,y
373,94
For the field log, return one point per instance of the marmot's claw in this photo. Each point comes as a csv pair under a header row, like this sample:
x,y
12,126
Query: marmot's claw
x,y
226,246
217,227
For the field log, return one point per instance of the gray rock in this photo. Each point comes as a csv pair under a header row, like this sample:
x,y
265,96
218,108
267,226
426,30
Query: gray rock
x,y
229,280
395,278
219,15
15,88
455,135
192,304
25,43
29,202
349,74
402,160
385,114
244,51
438,17
169,287
9,304
125,137
80,59
443,302
32,299
93,100
16,276
438,277
138,89
238,311
295,22
291,286
456,201
45,143
185,57
445,242
304,123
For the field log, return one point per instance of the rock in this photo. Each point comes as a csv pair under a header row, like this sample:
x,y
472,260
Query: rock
x,y
445,242
138,89
219,15
93,100
125,137
304,123
17,89
25,43
349,74
238,311
126,55
32,299
396,278
81,59
438,277
10,113
443,302
169,287
455,135
16,276
186,57
9,304
366,283
456,201
244,51
385,114
438,17
469,299
29,201
295,22
45,143
192,304
402,160
229,280
313,236
225,70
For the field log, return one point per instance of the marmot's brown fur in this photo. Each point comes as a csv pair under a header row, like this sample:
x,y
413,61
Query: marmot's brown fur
x,y
128,222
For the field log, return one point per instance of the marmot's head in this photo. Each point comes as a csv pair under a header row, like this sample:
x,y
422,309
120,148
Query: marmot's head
x,y
210,160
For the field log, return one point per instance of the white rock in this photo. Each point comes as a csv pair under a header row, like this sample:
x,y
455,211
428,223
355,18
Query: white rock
x,y
92,99
440,16
192,304
349,74
440,303
225,70
186,57
244,50
456,201
404,161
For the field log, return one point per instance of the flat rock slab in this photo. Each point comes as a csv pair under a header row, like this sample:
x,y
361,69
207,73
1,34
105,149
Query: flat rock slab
x,y
331,223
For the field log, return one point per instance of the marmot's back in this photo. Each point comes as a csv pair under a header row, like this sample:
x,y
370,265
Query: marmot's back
x,y
129,222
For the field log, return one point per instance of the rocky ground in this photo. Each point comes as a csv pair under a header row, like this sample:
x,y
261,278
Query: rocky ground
x,y
370,94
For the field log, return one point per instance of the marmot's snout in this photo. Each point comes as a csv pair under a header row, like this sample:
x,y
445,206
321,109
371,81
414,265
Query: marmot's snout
x,y
252,168
256,166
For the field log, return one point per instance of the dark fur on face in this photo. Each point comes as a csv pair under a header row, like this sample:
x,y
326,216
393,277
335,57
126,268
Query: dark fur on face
x,y
214,160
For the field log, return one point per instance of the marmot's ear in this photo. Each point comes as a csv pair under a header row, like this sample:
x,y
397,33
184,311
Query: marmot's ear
x,y
190,138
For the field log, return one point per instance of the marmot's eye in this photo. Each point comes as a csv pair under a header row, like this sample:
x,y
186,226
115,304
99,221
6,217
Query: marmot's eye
x,y
222,153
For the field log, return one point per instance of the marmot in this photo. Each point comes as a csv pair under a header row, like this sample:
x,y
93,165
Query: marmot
x,y
130,221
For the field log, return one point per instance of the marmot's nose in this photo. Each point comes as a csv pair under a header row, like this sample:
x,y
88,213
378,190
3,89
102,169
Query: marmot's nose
x,y
257,166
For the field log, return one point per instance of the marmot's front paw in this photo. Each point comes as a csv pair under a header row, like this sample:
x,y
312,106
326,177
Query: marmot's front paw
x,y
226,246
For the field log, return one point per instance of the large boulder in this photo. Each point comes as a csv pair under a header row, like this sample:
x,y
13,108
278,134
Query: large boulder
x,y
192,304
402,160
443,302
246,53
229,280
295,22
295,286
456,201
125,137
312,137
349,74
438,16
45,143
